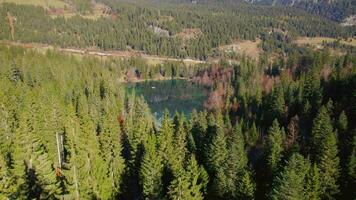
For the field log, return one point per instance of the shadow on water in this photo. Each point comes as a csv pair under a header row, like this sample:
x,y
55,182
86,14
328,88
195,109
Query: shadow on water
x,y
174,95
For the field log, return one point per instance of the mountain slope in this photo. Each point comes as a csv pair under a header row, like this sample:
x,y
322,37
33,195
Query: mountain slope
x,y
336,10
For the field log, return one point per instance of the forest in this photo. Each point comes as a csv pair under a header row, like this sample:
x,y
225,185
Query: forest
x,y
280,126
69,131
129,27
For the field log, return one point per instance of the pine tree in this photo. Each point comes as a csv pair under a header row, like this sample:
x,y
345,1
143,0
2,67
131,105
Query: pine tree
x,y
312,184
198,132
329,166
274,147
235,167
36,178
6,180
246,187
252,135
151,170
351,170
188,184
179,189
166,140
343,138
217,157
180,141
326,153
290,182
275,105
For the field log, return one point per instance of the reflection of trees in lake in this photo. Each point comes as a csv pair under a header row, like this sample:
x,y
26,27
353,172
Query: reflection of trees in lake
x,y
175,95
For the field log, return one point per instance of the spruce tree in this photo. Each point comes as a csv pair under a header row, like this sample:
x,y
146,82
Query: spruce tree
x,y
7,180
246,186
180,141
33,169
188,184
151,170
312,183
274,147
351,171
289,184
217,157
324,148
235,167
343,137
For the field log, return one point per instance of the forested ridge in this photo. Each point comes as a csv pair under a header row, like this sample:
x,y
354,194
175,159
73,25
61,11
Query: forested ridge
x,y
334,10
69,130
135,27
277,126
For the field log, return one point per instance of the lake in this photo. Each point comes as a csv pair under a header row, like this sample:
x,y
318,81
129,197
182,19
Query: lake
x,y
175,95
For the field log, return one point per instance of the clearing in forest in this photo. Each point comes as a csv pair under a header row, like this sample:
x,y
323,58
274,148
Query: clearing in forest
x,y
245,47
98,10
189,33
43,3
61,8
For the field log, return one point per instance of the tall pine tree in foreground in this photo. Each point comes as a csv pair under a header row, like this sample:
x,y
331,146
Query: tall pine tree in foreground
x,y
189,182
151,170
217,157
351,171
312,183
325,153
289,184
274,147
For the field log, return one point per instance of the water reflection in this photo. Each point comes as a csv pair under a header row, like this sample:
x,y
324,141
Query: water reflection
x,y
174,95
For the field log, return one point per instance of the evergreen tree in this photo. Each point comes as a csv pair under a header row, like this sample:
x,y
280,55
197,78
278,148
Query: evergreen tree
x,y
343,138
237,180
188,184
180,141
34,172
274,147
246,186
351,171
217,157
326,153
312,183
151,170
6,180
275,105
289,184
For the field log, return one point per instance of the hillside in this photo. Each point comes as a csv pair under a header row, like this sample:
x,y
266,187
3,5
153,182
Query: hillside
x,y
335,10
332,9
79,6
177,100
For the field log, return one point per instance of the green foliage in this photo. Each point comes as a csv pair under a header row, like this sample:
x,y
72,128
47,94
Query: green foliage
x,y
312,184
274,147
289,184
70,130
326,153
151,170
188,184
351,170
217,157
132,30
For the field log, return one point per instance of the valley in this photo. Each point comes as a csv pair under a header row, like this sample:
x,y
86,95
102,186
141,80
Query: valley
x,y
177,99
